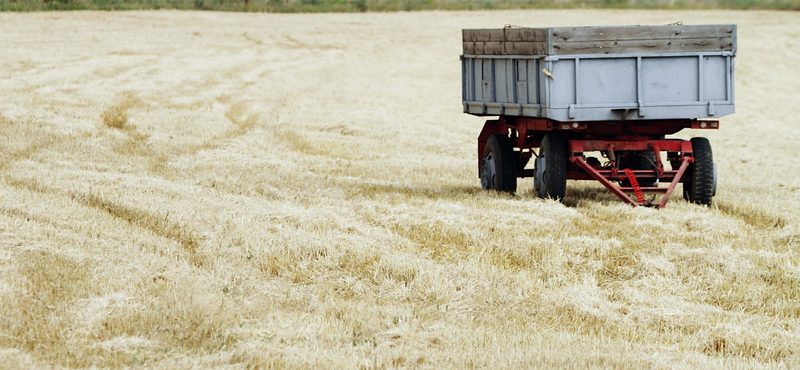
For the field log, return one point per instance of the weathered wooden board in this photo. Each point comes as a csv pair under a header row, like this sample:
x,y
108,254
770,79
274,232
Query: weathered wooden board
x,y
505,34
642,46
505,48
483,35
569,34
599,40
525,34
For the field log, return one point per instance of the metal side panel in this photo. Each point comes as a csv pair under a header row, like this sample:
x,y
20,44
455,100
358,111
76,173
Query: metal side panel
x,y
671,79
713,87
601,87
608,81
521,89
652,112
501,79
465,72
562,83
500,86
487,81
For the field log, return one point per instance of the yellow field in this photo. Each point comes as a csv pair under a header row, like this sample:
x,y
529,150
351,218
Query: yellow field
x,y
187,189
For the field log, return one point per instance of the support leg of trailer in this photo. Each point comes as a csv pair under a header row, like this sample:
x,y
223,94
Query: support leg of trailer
x,y
581,162
684,165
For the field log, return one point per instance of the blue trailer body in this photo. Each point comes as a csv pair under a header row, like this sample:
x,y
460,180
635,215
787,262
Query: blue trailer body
x,y
600,73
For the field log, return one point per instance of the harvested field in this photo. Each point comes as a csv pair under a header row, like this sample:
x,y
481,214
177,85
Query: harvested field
x,y
199,189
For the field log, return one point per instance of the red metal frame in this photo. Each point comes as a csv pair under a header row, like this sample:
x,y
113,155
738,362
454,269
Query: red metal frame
x,y
608,137
577,147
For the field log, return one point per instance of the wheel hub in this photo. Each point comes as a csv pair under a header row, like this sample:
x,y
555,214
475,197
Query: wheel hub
x,y
538,173
488,172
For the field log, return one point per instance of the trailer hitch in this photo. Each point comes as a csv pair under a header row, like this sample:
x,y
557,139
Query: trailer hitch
x,y
605,176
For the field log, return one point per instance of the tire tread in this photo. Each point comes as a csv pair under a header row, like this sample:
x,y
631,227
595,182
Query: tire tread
x,y
506,162
701,190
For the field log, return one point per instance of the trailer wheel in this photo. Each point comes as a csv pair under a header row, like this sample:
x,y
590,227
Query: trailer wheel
x,y
550,167
702,184
499,165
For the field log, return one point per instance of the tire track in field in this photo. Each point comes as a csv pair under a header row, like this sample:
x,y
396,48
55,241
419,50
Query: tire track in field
x,y
154,223
243,124
751,216
149,221
25,153
134,143
15,212
20,213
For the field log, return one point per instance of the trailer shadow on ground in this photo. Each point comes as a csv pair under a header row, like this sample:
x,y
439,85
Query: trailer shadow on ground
x,y
580,193
410,190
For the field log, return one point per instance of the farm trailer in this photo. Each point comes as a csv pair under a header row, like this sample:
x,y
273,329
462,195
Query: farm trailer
x,y
561,93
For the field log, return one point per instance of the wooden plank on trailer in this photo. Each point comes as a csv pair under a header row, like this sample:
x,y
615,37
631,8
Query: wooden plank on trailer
x,y
599,40
479,49
505,34
504,48
524,48
525,34
493,48
483,35
570,34
469,35
469,47
643,46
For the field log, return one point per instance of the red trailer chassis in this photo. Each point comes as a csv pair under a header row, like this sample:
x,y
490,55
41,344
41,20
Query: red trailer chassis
x,y
620,142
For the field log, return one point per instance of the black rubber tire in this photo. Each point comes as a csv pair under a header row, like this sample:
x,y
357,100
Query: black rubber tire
x,y
502,174
699,188
553,183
